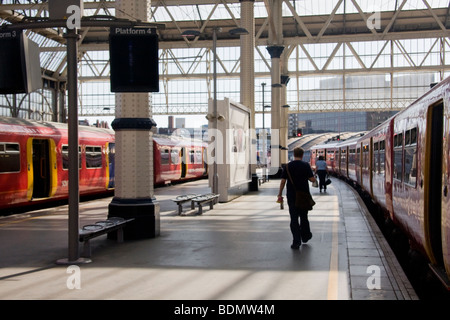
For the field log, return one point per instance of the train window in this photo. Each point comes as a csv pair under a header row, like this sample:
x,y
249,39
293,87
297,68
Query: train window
x,y
175,156
343,157
198,156
413,135
191,156
164,156
93,157
9,157
366,156
65,157
382,153
398,156
351,156
398,140
410,172
376,160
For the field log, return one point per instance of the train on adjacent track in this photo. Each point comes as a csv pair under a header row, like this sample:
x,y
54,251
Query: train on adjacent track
x,y
403,166
34,161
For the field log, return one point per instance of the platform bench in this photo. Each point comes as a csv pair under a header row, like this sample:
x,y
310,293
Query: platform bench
x,y
206,198
91,231
180,200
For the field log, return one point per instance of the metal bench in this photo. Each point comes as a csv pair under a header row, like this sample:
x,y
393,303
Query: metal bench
x,y
206,198
180,200
91,231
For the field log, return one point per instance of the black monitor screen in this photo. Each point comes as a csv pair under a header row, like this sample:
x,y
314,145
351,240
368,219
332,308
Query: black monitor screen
x,y
11,68
134,63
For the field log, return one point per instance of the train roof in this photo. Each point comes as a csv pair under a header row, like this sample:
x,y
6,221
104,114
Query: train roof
x,y
316,141
25,126
173,140
352,139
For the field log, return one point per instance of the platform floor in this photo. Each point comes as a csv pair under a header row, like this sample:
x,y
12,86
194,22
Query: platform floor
x,y
238,250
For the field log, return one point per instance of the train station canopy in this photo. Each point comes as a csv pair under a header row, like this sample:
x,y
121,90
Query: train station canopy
x,y
342,55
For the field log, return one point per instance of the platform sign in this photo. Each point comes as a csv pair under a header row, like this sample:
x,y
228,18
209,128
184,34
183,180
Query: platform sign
x,y
20,70
134,60
11,77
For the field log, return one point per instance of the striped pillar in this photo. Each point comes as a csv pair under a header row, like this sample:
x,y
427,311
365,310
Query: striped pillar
x,y
134,191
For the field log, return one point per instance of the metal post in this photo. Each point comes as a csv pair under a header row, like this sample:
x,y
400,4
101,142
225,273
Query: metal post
x,y
73,144
74,197
264,137
215,187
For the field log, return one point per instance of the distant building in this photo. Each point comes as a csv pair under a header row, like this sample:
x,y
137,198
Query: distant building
x,y
359,90
336,121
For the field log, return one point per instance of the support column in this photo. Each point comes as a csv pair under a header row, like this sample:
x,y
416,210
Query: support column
x,y
275,152
275,50
134,190
284,127
248,75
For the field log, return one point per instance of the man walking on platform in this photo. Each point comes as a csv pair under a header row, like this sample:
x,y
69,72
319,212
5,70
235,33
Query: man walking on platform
x,y
300,173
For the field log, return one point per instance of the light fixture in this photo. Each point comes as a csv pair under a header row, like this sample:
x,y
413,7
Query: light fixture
x,y
238,31
286,106
284,80
190,33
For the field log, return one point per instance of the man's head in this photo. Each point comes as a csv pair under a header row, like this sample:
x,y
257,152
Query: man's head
x,y
298,153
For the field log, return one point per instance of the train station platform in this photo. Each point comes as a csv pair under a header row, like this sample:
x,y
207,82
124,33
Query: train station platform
x,y
239,250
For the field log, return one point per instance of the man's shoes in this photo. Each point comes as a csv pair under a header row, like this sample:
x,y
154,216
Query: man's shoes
x,y
295,246
307,238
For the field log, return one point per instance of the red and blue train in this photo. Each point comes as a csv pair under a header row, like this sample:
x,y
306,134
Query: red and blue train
x,y
403,165
34,161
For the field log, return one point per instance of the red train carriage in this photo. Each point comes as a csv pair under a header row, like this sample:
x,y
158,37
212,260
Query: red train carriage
x,y
347,159
328,151
414,144
178,159
376,170
404,166
331,153
34,161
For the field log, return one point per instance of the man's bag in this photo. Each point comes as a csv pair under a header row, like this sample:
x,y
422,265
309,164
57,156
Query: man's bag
x,y
304,200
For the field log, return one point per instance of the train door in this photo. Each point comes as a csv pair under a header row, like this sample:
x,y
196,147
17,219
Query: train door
x,y
183,154
433,186
41,168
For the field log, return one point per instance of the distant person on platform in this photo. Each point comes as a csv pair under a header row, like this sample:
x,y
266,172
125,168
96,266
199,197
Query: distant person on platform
x,y
322,172
301,173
